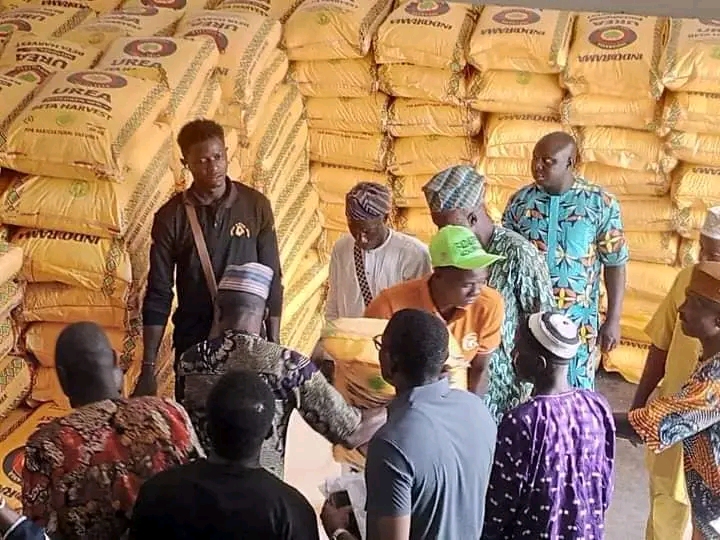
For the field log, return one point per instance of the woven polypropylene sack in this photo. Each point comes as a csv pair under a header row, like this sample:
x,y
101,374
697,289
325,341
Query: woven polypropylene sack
x,y
696,186
624,148
411,156
700,148
311,274
57,135
627,359
325,30
12,453
333,214
515,136
651,247
689,61
356,150
357,115
308,236
333,182
57,302
141,21
11,296
691,112
616,55
627,182
506,173
612,111
15,95
294,185
416,222
246,43
415,118
11,261
180,5
97,6
79,260
15,381
46,388
518,92
688,252
649,281
335,78
521,39
41,338
431,34
35,59
425,83
407,191
105,209
274,9
183,64
689,221
652,214
42,21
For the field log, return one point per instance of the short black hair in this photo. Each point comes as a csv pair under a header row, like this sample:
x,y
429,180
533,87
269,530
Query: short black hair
x,y
240,411
418,342
82,351
199,131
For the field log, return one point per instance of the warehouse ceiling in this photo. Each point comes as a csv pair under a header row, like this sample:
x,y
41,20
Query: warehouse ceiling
x,y
703,9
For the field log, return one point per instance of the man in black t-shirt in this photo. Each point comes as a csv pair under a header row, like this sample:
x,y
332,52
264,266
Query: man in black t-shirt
x,y
228,495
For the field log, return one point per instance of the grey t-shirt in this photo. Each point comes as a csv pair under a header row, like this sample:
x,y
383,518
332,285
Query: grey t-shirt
x,y
432,461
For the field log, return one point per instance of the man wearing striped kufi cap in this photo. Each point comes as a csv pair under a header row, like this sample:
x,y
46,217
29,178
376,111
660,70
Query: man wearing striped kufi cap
x,y
296,382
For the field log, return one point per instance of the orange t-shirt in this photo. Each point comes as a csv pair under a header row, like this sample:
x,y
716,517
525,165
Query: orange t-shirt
x,y
476,327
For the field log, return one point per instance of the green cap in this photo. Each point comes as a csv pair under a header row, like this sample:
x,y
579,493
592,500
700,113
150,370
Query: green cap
x,y
459,247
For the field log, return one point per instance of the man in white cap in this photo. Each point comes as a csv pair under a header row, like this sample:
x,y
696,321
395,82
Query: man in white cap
x,y
554,459
296,382
671,359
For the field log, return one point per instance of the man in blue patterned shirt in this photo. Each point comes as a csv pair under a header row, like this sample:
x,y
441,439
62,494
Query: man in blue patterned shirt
x,y
456,197
578,228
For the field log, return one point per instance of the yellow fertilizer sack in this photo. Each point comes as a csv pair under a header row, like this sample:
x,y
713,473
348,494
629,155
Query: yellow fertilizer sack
x,y
41,338
701,148
15,380
627,359
430,34
357,115
79,260
626,182
180,5
514,136
138,21
333,182
689,221
15,95
696,186
35,59
350,344
274,9
598,110
653,247
97,6
689,252
310,276
407,191
521,39
326,30
333,214
690,60
46,389
308,236
616,54
11,296
12,453
653,214
416,221
335,78
624,148
42,21
415,118
11,261
94,125
518,92
14,420
431,154
428,84
497,199
507,173
356,150
183,64
691,112
57,302
649,281
104,209
245,41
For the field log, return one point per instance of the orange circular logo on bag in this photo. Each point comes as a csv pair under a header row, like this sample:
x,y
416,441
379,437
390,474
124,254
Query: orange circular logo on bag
x,y
427,8
150,48
12,25
221,42
13,464
516,17
612,37
97,79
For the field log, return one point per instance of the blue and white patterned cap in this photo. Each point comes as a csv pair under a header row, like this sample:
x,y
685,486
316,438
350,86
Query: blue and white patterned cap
x,y
458,188
251,278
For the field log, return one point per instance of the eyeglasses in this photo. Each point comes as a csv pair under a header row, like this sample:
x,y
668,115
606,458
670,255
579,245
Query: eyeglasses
x,y
377,340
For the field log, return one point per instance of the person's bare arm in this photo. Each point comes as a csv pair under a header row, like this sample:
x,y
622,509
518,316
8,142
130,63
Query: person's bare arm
x,y
477,374
389,477
609,337
391,528
652,374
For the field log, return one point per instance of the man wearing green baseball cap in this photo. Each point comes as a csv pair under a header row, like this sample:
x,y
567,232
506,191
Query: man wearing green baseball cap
x,y
456,291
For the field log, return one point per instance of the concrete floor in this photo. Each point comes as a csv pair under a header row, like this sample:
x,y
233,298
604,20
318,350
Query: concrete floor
x,y
309,462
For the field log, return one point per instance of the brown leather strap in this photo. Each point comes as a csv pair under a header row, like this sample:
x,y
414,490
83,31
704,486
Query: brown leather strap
x,y
361,275
201,247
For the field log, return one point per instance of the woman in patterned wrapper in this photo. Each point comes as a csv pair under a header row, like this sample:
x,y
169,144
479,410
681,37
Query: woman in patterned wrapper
x,y
554,459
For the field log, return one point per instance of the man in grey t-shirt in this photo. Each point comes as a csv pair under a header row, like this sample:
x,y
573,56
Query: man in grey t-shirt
x,y
428,468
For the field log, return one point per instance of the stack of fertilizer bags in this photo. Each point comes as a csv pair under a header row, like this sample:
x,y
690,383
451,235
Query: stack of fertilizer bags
x,y
517,54
420,51
691,121
614,107
330,48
